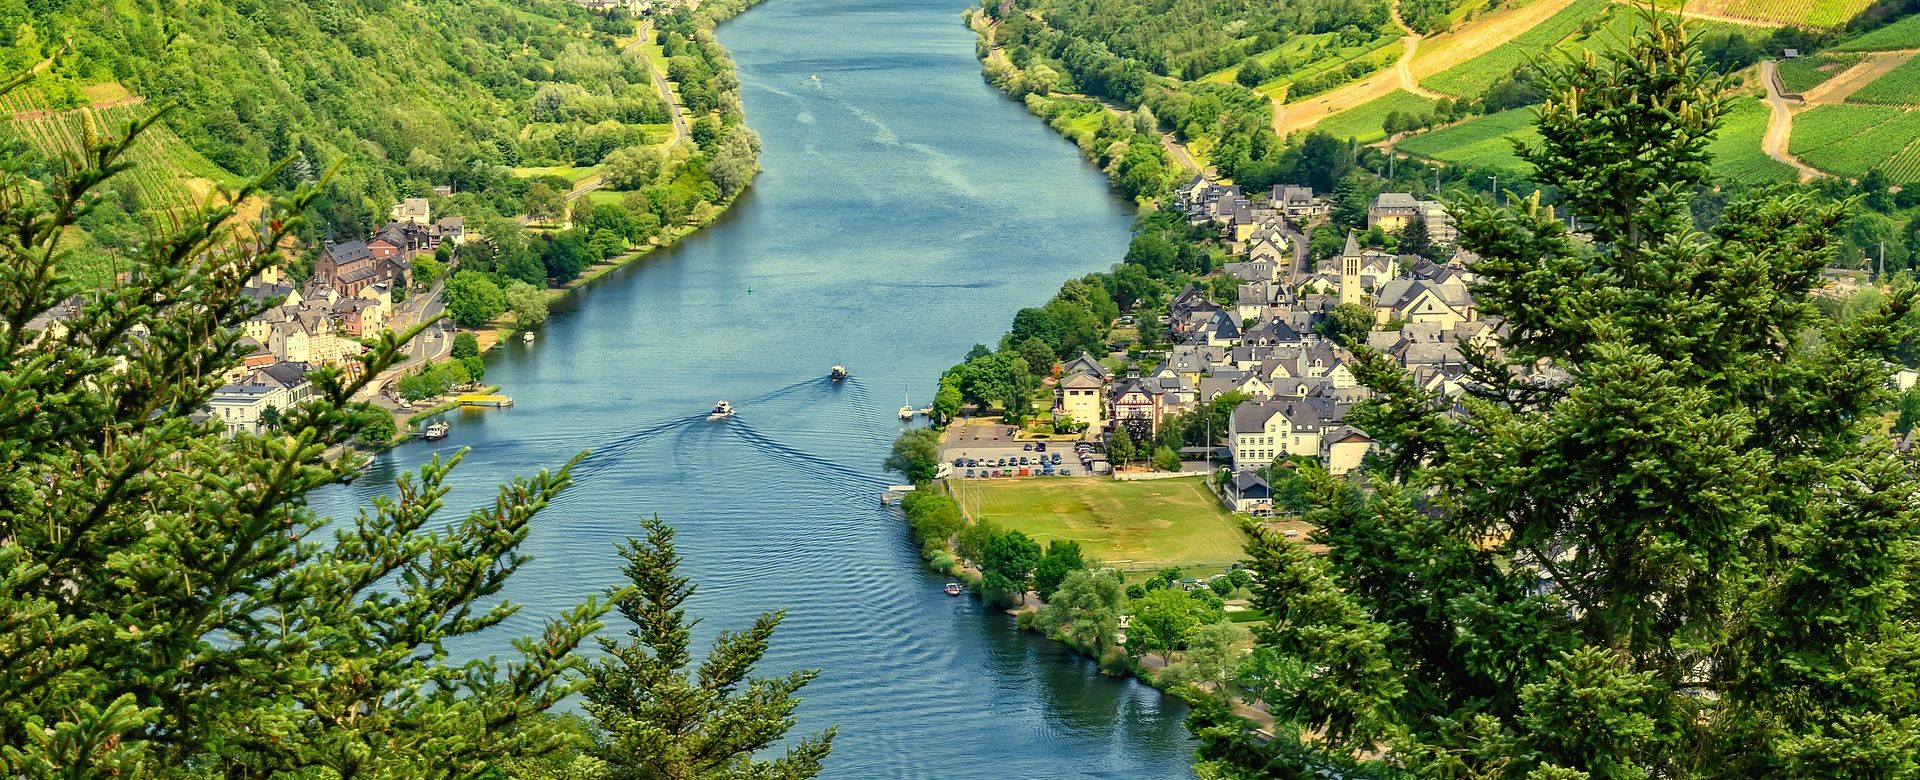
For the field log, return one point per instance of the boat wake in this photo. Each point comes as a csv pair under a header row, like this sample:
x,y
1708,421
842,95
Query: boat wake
x,y
799,460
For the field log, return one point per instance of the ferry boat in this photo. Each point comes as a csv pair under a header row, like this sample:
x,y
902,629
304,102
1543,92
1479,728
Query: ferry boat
x,y
437,430
721,411
837,373
953,588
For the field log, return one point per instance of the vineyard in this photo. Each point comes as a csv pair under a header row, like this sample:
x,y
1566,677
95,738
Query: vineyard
x,y
1363,123
1804,73
1903,34
1900,86
1474,76
1481,142
1736,149
1803,13
163,165
1847,140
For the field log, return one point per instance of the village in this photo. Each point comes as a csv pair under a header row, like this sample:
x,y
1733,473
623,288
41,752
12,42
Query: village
x,y
1268,344
357,289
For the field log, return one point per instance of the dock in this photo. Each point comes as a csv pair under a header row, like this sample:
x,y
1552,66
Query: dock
x,y
485,399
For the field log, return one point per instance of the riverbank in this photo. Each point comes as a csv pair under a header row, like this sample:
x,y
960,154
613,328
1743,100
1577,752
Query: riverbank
x,y
709,15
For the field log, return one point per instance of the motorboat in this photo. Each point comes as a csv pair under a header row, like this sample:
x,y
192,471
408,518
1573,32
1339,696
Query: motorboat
x,y
721,411
437,430
837,373
953,589
526,336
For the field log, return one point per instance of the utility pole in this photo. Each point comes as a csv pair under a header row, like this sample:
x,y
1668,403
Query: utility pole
x,y
1882,276
1496,187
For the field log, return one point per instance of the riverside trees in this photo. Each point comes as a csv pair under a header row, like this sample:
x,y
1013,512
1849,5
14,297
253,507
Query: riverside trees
x,y
1684,553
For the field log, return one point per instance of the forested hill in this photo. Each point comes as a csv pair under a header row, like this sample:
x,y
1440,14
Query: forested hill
x,y
406,94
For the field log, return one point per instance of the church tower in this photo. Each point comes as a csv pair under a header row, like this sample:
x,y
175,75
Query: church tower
x,y
1350,257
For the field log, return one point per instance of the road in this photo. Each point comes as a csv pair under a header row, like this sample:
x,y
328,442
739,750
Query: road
x,y
1780,125
675,109
1411,41
432,344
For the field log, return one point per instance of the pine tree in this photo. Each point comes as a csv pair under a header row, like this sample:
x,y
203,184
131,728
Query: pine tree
x,y
1413,238
666,721
1662,538
172,607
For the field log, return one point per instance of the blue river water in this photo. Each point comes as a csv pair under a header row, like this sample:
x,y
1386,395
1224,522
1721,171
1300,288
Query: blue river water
x,y
905,211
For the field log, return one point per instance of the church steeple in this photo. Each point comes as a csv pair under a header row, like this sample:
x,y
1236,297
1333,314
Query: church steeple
x,y
1350,257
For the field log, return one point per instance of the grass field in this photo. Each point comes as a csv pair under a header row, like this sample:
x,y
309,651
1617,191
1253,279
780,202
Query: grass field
x,y
1903,34
1847,140
1900,86
573,174
1474,76
1804,73
1363,122
1481,141
1124,524
1736,150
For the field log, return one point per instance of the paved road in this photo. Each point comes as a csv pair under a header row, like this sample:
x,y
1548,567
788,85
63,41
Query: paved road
x,y
1411,40
432,344
1780,125
675,109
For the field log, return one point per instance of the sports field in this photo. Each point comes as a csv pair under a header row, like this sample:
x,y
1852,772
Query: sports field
x,y
1129,525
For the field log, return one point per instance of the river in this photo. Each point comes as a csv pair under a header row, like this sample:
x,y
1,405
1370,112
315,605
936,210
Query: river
x,y
906,210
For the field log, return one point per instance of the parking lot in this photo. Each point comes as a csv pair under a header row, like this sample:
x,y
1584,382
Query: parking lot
x,y
979,451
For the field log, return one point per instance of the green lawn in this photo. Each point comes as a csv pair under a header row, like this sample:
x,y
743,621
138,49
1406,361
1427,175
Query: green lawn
x,y
1125,524
568,172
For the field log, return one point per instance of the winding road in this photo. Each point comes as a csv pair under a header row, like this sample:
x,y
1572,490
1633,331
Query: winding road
x,y
1780,125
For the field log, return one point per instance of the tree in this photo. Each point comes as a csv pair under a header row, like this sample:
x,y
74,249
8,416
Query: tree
x,y
270,417
174,607
1166,459
1085,611
427,270
665,720
946,401
473,299
1346,324
916,455
1213,660
1007,563
528,303
567,255
1162,621
1221,586
1120,446
1251,74
379,431
1682,551
1063,558
632,168
735,162
1038,355
1413,238
465,344
1909,407
543,203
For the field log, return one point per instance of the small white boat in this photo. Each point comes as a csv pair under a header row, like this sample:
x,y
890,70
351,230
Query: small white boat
x,y
953,588
527,336
925,411
906,410
437,430
721,411
837,373
815,77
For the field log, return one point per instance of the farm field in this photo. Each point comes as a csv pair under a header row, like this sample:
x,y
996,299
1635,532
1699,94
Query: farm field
x,y
1127,524
1900,86
574,174
1481,142
1736,149
1904,166
1363,123
1903,34
1804,73
163,164
1846,140
1474,76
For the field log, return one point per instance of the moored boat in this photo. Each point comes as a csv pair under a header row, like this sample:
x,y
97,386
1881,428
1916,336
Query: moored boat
x,y
436,430
526,336
953,588
721,411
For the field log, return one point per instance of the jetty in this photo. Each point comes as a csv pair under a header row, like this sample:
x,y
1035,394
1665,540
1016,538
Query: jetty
x,y
485,399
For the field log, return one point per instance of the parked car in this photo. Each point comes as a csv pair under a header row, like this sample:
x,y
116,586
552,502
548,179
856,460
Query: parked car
x,y
959,461
1040,447
1066,472
969,472
1028,447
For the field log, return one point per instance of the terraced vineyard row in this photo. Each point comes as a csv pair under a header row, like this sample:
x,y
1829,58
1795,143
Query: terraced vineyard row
x,y
1364,123
1476,75
1903,34
1804,73
156,171
1481,142
1900,86
1847,140
1736,148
